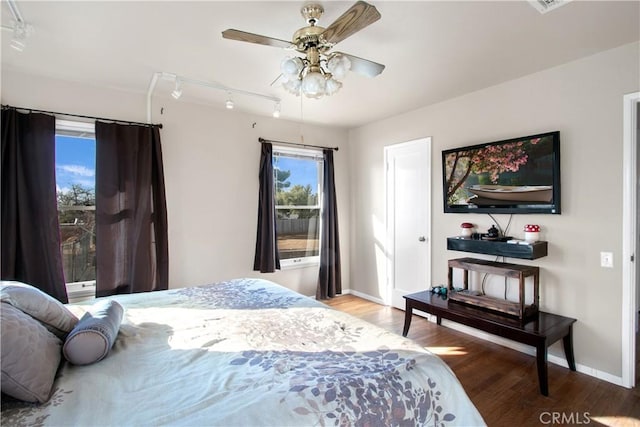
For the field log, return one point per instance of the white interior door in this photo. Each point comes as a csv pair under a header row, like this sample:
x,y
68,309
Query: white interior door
x,y
408,206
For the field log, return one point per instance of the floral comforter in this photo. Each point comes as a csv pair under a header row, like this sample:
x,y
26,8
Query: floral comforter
x,y
248,352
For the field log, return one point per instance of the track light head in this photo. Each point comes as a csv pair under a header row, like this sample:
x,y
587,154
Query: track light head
x,y
177,92
229,104
17,44
276,110
21,30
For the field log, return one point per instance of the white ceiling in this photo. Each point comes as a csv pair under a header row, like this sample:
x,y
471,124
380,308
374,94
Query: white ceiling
x,y
433,50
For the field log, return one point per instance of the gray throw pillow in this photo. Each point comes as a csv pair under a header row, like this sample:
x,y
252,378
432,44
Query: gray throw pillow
x,y
94,335
30,356
39,305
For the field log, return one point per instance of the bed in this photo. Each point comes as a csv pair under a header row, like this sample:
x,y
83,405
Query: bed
x,y
248,352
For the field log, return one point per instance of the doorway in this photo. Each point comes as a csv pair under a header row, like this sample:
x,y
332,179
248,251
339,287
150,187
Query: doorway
x,y
408,219
630,238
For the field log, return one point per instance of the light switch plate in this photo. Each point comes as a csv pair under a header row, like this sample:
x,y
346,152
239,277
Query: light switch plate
x,y
606,259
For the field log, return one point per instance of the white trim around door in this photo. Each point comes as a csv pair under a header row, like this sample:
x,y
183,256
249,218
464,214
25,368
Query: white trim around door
x,y
629,238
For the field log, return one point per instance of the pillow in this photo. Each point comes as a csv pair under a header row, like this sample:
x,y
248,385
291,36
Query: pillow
x,y
30,356
94,335
37,304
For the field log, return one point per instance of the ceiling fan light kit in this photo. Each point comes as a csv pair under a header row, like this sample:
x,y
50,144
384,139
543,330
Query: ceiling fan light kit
x,y
319,72
314,80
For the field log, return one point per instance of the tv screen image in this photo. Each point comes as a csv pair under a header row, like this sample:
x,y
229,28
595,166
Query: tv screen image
x,y
519,175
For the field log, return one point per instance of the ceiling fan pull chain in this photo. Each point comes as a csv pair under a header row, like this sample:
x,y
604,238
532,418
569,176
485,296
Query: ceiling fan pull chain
x,y
301,121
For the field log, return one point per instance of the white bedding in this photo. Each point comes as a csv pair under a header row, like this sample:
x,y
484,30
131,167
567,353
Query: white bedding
x,y
249,352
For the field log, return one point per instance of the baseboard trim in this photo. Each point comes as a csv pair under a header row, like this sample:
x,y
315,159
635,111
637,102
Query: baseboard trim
x,y
363,296
553,358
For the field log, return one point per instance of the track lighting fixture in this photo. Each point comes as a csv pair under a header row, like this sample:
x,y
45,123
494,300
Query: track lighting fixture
x,y
19,39
21,30
181,81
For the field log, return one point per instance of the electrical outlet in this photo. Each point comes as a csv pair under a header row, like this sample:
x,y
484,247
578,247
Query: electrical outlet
x,y
606,259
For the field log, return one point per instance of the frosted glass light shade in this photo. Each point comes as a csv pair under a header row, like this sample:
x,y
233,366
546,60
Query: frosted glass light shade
x,y
332,86
292,86
291,67
338,66
313,85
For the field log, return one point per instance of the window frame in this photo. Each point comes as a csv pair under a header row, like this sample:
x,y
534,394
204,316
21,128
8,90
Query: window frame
x,y
307,154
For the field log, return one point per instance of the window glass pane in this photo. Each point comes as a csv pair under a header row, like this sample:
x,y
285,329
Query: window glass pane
x,y
75,185
298,237
297,179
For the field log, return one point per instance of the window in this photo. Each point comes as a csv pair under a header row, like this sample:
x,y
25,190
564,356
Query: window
x,y
75,188
298,185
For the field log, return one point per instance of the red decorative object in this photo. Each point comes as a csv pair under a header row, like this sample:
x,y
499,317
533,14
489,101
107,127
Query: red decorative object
x,y
466,229
531,233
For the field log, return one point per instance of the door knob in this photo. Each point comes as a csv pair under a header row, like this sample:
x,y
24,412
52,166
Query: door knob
x,y
422,239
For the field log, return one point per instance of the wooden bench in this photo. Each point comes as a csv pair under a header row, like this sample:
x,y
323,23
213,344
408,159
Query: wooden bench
x,y
540,331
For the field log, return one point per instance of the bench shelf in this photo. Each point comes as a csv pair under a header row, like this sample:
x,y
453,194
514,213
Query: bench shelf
x,y
520,272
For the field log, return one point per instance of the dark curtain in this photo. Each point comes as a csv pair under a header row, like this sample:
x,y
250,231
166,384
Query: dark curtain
x,y
329,277
30,231
266,259
132,252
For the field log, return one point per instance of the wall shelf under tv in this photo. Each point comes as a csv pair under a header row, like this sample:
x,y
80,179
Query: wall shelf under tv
x,y
489,247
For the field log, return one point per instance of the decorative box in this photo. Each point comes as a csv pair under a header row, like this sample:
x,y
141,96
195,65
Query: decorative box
x,y
531,233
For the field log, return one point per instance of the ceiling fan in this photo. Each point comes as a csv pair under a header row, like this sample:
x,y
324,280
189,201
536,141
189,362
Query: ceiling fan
x,y
317,73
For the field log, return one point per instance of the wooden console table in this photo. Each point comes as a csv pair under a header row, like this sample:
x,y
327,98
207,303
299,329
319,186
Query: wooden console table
x,y
540,331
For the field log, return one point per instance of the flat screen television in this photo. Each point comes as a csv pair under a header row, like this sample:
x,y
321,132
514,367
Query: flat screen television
x,y
514,176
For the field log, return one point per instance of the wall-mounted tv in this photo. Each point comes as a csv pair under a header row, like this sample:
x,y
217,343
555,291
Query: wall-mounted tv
x,y
519,175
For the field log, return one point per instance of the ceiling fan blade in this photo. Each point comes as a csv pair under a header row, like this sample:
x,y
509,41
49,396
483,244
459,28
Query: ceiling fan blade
x,y
243,36
363,66
353,20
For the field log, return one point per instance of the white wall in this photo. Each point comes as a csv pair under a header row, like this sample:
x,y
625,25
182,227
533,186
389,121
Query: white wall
x,y
211,159
581,99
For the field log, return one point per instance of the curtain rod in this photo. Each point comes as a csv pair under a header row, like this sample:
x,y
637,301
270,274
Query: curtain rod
x,y
262,140
31,110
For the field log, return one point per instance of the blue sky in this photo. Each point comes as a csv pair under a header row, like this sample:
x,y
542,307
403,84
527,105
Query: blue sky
x,y
75,162
303,172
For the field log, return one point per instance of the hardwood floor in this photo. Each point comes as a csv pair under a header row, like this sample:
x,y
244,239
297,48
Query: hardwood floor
x,y
502,382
